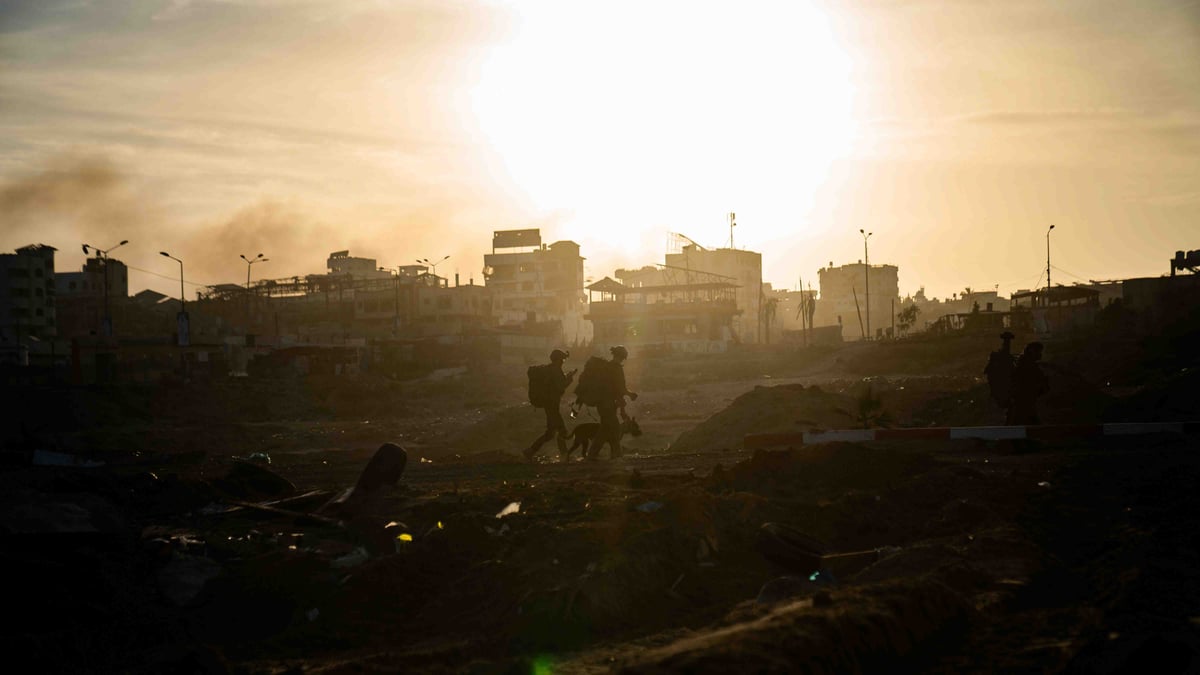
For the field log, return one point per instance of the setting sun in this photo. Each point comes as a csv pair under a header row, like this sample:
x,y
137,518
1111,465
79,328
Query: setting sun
x,y
649,116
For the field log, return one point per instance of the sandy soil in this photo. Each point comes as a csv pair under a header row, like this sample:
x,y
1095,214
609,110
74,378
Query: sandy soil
x,y
973,557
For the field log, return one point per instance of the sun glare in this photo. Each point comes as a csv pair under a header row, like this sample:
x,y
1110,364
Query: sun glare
x,y
668,115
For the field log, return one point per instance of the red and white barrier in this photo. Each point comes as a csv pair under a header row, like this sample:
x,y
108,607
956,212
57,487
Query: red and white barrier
x,y
1040,432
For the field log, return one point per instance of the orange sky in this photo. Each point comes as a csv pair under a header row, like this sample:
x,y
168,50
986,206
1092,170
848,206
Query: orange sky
x,y
956,131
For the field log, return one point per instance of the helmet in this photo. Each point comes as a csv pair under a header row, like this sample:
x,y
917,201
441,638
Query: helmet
x,y
559,355
620,351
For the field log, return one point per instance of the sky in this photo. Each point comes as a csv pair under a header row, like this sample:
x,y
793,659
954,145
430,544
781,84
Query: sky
x,y
955,131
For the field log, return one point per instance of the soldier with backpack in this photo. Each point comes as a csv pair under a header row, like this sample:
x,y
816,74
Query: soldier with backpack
x,y
999,371
1028,383
547,383
602,385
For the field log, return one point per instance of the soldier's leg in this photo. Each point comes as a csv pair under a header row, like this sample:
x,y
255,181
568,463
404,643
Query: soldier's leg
x,y
552,428
610,430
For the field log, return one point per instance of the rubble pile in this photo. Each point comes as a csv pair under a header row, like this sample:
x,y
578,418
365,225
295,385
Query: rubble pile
x,y
792,407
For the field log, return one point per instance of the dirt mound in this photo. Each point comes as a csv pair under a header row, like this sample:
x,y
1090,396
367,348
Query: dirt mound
x,y
509,428
790,407
1171,400
851,630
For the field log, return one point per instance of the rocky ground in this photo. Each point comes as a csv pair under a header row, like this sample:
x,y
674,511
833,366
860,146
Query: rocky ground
x,y
189,551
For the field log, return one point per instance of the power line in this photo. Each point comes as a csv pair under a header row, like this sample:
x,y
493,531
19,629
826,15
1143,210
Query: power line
x,y
164,276
1070,274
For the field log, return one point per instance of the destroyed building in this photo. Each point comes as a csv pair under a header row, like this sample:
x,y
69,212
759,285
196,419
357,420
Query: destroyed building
x,y
535,283
843,298
744,269
690,311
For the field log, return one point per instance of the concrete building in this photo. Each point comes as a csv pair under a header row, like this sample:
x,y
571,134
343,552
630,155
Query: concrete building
x,y
89,281
931,311
843,298
535,283
1157,302
82,301
694,316
27,307
340,263
744,268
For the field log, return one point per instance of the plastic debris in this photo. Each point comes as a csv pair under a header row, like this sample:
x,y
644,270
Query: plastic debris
x,y
1044,483
404,536
259,457
649,507
513,507
312,614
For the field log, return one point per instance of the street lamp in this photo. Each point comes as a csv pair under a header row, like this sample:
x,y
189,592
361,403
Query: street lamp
x,y
102,254
867,275
250,261
427,261
182,299
1048,264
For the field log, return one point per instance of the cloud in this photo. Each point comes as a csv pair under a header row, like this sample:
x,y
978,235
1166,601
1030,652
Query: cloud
x,y
1046,117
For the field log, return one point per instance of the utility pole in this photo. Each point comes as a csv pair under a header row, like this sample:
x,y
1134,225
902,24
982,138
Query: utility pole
x,y
102,256
867,275
732,224
184,326
250,261
1048,264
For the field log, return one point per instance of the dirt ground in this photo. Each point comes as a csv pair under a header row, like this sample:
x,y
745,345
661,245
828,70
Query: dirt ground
x,y
177,556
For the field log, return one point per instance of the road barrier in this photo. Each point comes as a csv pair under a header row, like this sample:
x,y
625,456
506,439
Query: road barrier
x,y
1039,432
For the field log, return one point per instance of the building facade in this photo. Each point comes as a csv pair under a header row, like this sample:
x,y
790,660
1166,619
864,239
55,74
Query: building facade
x,y
84,302
744,268
685,317
27,298
843,299
535,283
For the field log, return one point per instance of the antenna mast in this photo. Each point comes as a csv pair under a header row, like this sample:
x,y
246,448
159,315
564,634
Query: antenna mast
x,y
732,224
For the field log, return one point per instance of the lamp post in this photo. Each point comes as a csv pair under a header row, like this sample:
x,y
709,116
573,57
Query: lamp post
x,y
182,298
867,276
427,261
1048,264
102,254
250,261
182,319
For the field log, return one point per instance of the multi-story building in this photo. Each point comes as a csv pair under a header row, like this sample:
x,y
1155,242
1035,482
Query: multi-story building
x,y
744,268
694,314
82,298
533,283
27,307
844,298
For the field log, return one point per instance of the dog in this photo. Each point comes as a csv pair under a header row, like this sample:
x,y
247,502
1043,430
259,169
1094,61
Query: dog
x,y
584,433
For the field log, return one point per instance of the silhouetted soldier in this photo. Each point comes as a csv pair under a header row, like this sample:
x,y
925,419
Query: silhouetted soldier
x,y
1028,383
551,384
612,400
999,371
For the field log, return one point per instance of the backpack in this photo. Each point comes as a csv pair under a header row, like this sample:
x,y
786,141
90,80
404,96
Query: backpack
x,y
541,385
595,382
999,373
